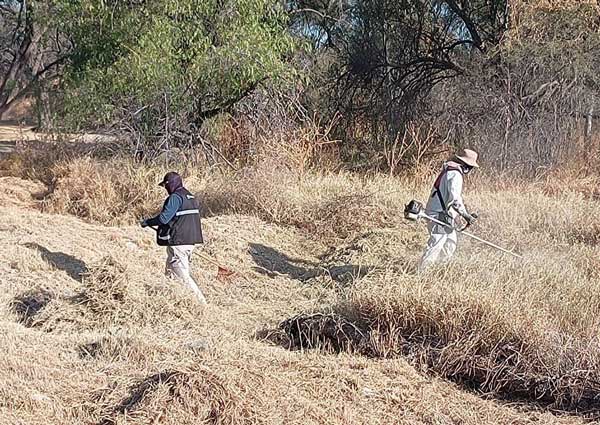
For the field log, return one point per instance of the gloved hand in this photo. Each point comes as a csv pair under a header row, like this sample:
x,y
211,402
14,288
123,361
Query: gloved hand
x,y
144,222
470,218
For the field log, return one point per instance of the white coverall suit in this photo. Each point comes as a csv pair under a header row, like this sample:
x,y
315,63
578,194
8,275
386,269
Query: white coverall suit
x,y
442,240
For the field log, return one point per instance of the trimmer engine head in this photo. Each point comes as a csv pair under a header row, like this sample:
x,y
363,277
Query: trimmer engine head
x,y
413,210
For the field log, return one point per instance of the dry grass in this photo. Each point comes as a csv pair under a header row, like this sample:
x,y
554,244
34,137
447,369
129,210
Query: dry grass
x,y
330,205
495,334
116,342
110,294
110,193
173,397
121,191
517,329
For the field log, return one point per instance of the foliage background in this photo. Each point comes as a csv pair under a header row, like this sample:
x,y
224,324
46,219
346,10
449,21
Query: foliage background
x,y
355,84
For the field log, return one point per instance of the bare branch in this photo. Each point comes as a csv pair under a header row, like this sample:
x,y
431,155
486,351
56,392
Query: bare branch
x,y
471,27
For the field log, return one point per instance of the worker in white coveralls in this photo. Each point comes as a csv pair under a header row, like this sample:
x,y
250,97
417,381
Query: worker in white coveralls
x,y
179,229
446,204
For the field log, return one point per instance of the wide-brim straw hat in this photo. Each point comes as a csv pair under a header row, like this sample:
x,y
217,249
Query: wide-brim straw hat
x,y
468,156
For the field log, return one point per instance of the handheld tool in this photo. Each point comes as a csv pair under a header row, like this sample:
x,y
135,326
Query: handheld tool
x,y
414,211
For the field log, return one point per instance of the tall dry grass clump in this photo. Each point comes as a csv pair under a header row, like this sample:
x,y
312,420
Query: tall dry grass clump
x,y
328,205
94,182
114,192
521,332
281,186
482,338
191,395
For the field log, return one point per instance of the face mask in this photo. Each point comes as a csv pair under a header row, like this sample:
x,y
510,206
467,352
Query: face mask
x,y
467,169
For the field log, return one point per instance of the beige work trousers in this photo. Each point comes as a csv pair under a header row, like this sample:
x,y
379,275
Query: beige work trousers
x,y
178,264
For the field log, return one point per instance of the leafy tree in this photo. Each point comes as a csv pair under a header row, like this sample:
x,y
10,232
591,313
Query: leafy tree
x,y
165,66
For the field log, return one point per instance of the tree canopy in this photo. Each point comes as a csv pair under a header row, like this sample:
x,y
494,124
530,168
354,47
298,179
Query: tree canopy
x,y
161,68
195,58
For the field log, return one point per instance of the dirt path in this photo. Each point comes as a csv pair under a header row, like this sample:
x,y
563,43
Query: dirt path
x,y
11,133
7,147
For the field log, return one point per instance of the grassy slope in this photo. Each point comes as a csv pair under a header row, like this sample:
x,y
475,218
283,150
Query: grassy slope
x,y
212,366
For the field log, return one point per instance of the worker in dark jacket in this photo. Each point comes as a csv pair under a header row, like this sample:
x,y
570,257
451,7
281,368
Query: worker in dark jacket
x,y
179,229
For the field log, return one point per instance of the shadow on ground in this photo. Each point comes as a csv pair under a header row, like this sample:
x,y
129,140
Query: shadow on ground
x,y
273,263
73,266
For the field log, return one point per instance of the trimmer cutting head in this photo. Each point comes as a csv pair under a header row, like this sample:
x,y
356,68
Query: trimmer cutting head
x,y
413,210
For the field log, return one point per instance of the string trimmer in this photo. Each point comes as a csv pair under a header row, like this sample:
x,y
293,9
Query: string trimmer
x,y
414,210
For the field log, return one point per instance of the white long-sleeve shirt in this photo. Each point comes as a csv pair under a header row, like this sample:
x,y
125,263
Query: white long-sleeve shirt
x,y
451,185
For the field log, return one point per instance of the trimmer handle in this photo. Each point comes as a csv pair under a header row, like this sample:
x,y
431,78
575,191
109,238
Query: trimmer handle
x,y
464,228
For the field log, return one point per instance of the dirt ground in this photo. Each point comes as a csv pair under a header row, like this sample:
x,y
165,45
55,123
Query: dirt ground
x,y
12,133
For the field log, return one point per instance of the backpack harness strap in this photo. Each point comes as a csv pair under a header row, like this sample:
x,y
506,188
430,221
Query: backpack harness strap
x,y
436,187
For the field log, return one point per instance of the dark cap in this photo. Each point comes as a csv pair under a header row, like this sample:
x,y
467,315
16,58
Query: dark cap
x,y
172,181
169,177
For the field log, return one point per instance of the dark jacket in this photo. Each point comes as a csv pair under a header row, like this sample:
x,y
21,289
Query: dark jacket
x,y
185,227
